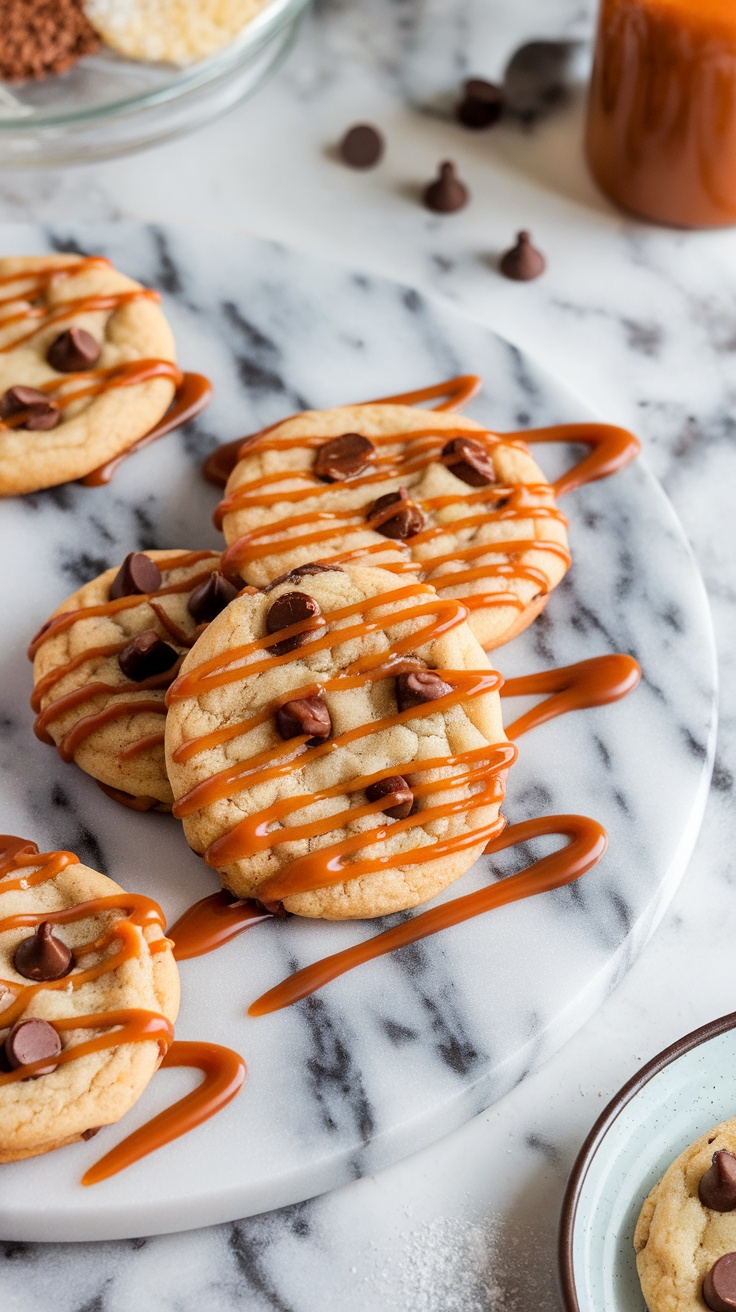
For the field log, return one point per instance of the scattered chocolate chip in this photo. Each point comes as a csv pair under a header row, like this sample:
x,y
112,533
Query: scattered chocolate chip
x,y
362,146
419,686
302,572
481,105
90,1134
447,193
719,1286
470,461
43,956
717,1188
292,608
32,1040
137,574
211,597
343,457
42,413
404,522
304,715
73,351
146,655
523,261
398,789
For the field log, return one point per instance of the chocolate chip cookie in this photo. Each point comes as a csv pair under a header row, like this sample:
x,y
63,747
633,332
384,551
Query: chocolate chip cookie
x,y
335,743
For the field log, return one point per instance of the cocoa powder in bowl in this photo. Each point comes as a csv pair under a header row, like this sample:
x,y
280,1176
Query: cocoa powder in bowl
x,y
38,37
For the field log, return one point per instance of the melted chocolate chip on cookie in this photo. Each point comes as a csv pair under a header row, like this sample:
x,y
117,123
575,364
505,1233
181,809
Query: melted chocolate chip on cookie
x,y
343,457
419,686
211,597
719,1286
395,516
395,787
288,609
717,1188
470,461
146,655
42,956
41,412
74,351
304,715
302,572
32,1040
137,574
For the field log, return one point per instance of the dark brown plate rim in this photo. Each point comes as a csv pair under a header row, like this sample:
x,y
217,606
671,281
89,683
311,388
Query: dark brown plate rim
x,y
599,1131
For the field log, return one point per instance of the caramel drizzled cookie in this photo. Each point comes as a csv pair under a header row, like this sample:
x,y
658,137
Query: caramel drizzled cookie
x,y
335,743
89,991
87,367
685,1238
103,661
424,494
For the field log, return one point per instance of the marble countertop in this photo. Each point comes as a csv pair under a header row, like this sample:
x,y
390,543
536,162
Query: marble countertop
x,y
641,324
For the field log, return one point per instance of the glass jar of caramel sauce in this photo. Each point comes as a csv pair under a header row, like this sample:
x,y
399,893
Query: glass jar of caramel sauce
x,y
661,129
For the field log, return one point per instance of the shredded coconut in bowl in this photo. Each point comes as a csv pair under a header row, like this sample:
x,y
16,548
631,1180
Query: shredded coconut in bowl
x,y
170,31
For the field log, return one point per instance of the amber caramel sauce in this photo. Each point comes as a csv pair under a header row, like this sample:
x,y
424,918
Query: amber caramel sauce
x,y
661,134
212,922
587,843
223,1069
594,682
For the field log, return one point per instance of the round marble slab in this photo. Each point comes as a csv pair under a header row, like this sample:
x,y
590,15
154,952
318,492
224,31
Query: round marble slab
x,y
399,1052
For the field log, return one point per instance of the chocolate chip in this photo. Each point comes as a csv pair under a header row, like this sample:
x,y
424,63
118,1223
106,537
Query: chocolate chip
x,y
404,522
470,461
137,574
146,655
211,597
343,457
304,715
302,572
73,351
523,261
362,146
90,1134
419,686
42,412
717,1188
42,955
292,608
481,105
719,1286
32,1040
398,789
447,193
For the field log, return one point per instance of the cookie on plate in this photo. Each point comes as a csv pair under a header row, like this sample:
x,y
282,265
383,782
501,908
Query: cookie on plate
x,y
103,661
335,743
87,367
78,957
685,1238
409,489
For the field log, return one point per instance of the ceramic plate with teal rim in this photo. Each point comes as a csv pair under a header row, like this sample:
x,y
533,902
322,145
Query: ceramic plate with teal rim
x,y
678,1096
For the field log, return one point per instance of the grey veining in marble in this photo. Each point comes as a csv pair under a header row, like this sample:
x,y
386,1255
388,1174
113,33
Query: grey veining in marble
x,y
640,322
404,1049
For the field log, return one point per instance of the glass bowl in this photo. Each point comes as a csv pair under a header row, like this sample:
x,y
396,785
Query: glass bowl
x,y
107,105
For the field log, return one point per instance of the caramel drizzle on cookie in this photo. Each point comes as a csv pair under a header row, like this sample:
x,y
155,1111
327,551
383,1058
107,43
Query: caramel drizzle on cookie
x,y
496,503
224,1070
192,391
482,769
612,449
137,703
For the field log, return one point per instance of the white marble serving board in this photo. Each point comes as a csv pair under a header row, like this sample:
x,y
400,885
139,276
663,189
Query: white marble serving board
x,y
400,1051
